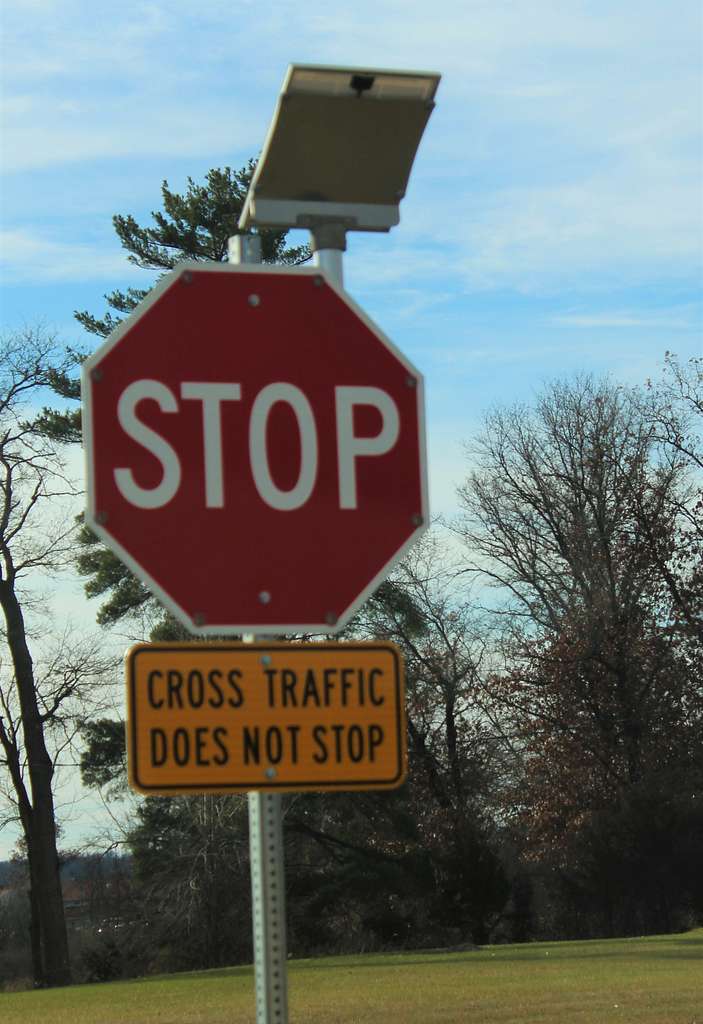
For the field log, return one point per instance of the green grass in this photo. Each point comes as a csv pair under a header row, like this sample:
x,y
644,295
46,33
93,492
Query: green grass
x,y
655,980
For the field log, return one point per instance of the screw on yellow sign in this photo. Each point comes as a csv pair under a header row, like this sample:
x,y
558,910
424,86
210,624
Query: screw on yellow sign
x,y
222,717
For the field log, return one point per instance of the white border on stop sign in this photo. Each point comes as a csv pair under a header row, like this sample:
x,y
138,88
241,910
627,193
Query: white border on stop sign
x,y
93,361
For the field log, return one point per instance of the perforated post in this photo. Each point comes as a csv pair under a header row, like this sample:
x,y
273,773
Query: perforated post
x,y
268,886
268,907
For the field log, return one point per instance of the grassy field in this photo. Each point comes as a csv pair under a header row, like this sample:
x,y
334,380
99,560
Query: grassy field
x,y
655,980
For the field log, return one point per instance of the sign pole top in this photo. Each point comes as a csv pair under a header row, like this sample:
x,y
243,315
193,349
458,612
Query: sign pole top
x,y
340,148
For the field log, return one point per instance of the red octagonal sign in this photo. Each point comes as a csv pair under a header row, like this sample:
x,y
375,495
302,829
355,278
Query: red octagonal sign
x,y
255,449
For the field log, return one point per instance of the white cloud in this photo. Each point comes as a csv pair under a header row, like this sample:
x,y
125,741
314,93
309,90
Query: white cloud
x,y
544,237
27,256
686,318
562,146
43,132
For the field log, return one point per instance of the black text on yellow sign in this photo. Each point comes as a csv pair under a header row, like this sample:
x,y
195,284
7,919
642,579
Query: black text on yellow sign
x,y
223,717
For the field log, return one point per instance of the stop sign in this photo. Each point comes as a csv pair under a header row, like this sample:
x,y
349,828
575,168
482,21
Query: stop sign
x,y
255,449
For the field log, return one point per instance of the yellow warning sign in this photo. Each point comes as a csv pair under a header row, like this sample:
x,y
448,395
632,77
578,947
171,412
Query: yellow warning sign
x,y
222,717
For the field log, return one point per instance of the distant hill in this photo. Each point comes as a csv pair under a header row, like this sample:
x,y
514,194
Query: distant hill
x,y
75,869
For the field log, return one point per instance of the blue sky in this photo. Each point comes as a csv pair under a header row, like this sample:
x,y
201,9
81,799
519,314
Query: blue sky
x,y
554,220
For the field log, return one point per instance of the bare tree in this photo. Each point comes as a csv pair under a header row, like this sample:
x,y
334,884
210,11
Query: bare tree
x,y
562,514
674,406
36,532
582,511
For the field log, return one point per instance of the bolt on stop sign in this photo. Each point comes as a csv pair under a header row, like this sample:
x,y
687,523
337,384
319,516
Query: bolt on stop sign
x,y
255,449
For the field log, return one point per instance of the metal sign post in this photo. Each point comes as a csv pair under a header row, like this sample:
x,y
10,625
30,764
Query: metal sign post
x,y
268,900
268,883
